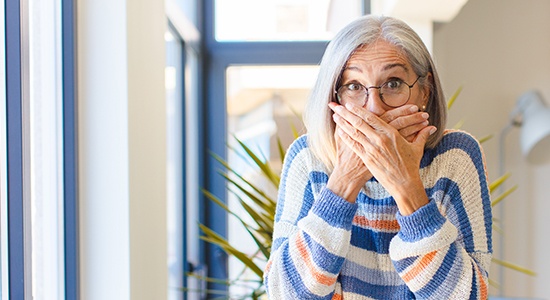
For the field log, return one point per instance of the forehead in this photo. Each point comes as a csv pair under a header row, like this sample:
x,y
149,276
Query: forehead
x,y
379,54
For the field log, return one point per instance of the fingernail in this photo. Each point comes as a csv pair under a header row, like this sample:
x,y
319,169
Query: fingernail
x,y
433,130
425,115
413,109
349,106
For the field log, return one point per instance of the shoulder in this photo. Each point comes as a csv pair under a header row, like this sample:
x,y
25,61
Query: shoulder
x,y
453,141
459,139
298,148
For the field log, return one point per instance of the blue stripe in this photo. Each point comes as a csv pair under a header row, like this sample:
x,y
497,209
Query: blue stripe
x,y
296,147
371,240
357,286
372,276
442,273
401,265
326,260
292,275
459,218
467,143
473,293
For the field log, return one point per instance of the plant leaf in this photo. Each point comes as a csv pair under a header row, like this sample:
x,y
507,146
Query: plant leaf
x,y
459,124
485,138
514,267
499,181
504,195
214,238
453,97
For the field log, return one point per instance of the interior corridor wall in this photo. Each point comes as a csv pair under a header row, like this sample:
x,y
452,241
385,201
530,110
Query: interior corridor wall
x,y
497,50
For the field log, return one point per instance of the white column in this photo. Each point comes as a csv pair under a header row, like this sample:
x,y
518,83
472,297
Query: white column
x,y
122,152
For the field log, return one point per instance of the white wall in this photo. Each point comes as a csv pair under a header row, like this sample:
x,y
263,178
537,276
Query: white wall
x,y
122,140
498,49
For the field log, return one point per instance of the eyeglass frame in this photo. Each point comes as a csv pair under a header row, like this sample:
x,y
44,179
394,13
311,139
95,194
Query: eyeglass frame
x,y
366,89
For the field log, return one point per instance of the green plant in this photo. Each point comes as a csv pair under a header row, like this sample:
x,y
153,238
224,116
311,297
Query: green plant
x,y
260,206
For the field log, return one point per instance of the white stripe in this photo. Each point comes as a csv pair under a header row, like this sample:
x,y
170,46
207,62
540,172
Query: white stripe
x,y
312,285
468,183
296,182
370,259
400,249
334,240
464,286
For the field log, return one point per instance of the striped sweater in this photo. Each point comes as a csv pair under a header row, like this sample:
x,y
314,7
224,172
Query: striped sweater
x,y
327,248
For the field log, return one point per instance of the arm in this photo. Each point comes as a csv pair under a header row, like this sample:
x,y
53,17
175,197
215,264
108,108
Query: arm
x,y
311,235
447,255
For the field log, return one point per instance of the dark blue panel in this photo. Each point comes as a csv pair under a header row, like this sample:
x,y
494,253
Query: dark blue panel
x,y
70,150
14,135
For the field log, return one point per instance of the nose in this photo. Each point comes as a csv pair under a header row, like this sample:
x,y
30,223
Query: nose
x,y
374,103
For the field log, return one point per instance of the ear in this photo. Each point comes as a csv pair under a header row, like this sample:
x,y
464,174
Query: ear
x,y
426,90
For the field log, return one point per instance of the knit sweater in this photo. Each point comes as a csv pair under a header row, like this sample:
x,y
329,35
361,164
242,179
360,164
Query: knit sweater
x,y
325,247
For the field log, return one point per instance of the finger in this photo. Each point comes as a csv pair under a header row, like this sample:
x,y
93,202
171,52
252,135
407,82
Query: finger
x,y
345,116
406,121
350,130
413,129
423,135
395,113
368,117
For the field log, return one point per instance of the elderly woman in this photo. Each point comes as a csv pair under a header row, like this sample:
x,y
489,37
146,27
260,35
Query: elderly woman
x,y
377,200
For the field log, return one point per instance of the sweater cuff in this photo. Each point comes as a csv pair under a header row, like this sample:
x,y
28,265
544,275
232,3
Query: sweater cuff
x,y
421,224
334,209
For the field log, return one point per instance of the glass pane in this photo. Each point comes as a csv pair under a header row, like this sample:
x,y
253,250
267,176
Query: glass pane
x,y
189,9
174,97
46,166
282,20
263,103
192,193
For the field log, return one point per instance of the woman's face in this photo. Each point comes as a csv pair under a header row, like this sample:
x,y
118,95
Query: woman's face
x,y
376,64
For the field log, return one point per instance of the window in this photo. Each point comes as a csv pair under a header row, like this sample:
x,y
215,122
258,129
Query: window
x,y
251,68
183,63
34,151
282,20
264,103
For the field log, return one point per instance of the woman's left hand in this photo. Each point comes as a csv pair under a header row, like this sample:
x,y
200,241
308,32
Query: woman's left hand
x,y
393,161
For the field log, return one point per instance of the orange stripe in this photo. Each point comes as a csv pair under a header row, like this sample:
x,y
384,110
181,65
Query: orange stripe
x,y
483,286
420,266
376,224
268,266
321,278
337,297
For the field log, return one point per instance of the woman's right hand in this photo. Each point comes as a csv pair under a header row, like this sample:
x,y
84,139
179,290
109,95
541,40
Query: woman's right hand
x,y
407,119
350,173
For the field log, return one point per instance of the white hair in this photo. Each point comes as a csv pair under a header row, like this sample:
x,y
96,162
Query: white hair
x,y
363,31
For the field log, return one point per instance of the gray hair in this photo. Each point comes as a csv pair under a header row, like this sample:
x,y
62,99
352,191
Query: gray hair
x,y
363,31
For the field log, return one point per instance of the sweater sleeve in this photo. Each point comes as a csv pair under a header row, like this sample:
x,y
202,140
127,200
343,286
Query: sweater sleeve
x,y
444,249
311,233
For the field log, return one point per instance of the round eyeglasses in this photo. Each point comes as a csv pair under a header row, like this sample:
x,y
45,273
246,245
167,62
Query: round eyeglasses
x,y
394,92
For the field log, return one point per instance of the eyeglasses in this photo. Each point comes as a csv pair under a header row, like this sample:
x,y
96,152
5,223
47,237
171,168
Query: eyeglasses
x,y
394,92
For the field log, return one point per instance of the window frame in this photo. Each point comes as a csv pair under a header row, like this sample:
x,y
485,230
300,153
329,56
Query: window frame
x,y
17,152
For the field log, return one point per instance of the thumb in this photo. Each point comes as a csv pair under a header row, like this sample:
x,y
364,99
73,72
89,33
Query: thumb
x,y
422,136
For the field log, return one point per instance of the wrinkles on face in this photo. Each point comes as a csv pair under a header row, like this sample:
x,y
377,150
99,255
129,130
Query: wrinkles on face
x,y
373,65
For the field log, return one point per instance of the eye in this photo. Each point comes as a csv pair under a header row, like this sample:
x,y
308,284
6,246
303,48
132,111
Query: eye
x,y
394,84
354,87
